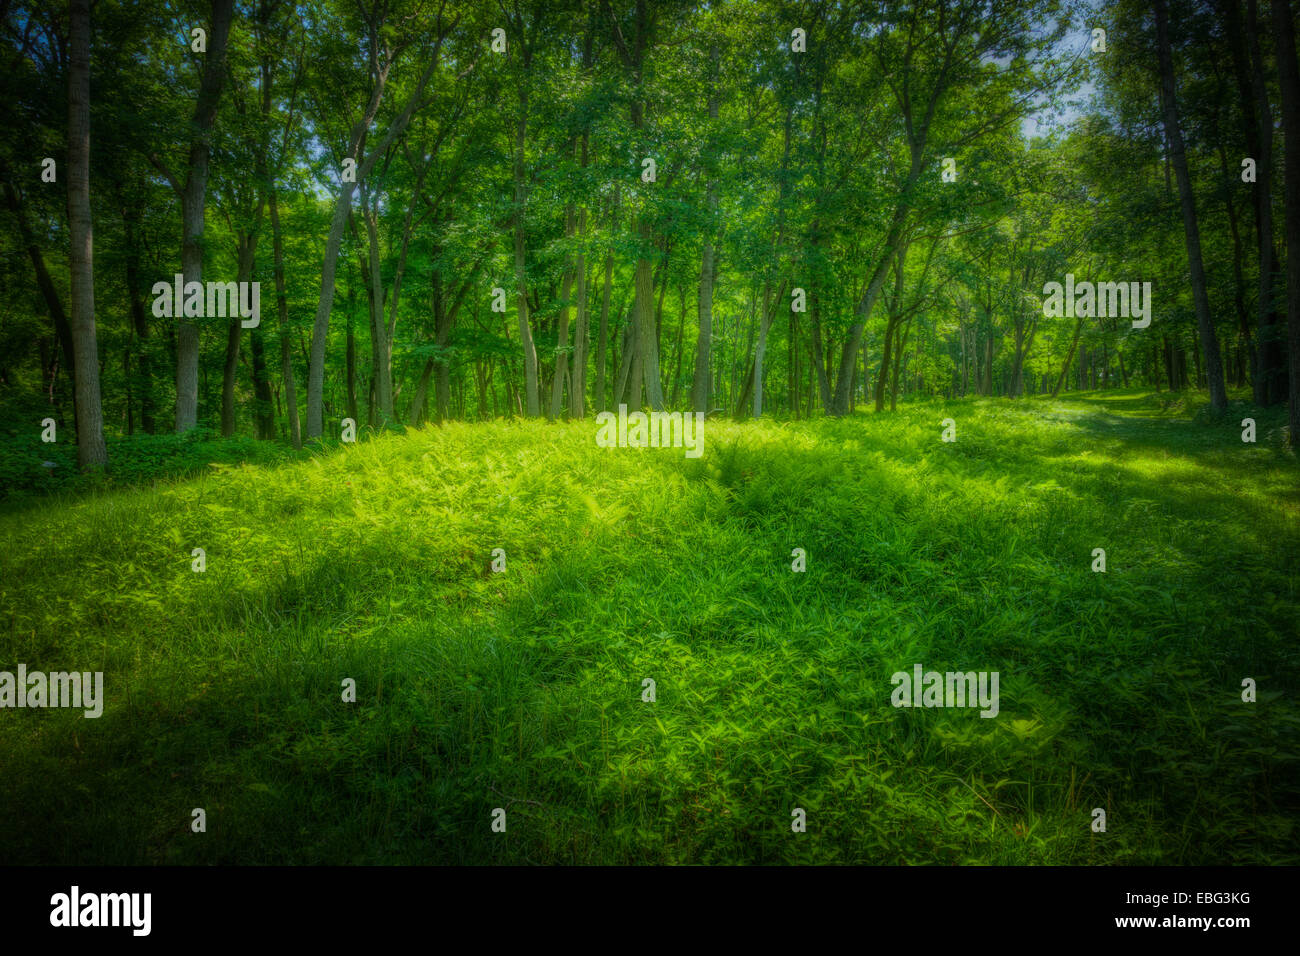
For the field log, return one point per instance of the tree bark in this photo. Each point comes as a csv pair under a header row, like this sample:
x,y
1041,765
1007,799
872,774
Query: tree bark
x,y
704,341
381,344
139,316
521,277
1270,385
282,311
320,328
193,198
1178,155
91,452
578,385
562,332
1288,76
1074,343
602,338
247,244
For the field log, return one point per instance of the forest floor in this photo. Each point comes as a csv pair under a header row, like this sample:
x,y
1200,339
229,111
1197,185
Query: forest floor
x,y
522,689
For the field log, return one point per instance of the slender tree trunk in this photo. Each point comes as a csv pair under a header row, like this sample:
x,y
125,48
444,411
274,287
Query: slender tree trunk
x,y
320,329
62,330
416,415
898,361
380,347
247,244
521,278
444,323
1238,272
602,339
769,307
139,318
282,310
843,381
646,357
329,266
91,452
562,330
630,391
704,341
350,351
760,353
1288,76
1270,385
681,328
894,305
228,369
1078,326
578,385
193,200
1178,155
819,359
263,413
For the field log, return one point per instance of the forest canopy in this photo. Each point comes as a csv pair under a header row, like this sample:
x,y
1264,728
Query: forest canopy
x,y
468,210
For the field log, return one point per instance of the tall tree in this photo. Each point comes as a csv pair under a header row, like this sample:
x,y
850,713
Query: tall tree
x,y
1288,78
193,195
1196,266
704,339
91,451
634,52
381,55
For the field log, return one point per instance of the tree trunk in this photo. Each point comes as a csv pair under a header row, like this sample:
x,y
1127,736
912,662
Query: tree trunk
x,y
578,385
704,342
193,199
139,318
1178,155
62,330
1288,77
819,359
562,330
894,307
760,351
350,352
263,413
1270,385
228,369
1078,326
320,328
602,340
843,381
247,245
380,345
91,451
681,329
647,356
521,278
282,310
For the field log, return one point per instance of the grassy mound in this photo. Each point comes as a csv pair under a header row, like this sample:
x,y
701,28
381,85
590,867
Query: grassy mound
x,y
523,689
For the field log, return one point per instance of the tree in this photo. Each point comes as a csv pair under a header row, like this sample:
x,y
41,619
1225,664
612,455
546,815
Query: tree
x,y
1288,76
1195,264
192,194
91,451
381,56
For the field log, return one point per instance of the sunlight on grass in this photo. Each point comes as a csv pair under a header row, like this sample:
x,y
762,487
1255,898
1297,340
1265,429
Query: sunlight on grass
x,y
523,689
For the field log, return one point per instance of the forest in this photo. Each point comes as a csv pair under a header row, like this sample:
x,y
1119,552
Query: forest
x,y
490,210
318,318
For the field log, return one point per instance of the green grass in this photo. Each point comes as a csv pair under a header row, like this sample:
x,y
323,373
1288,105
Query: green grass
x,y
523,689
